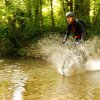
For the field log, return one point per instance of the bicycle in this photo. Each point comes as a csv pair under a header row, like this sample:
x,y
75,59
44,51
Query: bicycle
x,y
73,52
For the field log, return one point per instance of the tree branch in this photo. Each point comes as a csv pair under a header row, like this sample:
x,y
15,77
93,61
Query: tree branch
x,y
69,3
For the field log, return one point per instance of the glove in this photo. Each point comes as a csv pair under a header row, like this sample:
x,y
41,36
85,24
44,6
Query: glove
x,y
64,41
77,43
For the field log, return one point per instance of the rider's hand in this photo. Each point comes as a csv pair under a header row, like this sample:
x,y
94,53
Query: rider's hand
x,y
64,41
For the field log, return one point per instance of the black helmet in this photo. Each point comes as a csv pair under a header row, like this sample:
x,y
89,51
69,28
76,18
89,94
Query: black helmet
x,y
69,14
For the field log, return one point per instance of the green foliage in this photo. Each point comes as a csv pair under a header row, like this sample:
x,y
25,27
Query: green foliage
x,y
21,52
23,21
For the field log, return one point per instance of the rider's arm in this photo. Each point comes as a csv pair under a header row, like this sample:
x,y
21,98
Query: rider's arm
x,y
68,32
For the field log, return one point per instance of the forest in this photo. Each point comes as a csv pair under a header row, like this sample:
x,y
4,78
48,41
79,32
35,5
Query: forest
x,y
23,22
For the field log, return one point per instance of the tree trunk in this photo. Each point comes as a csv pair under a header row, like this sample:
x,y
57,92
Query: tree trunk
x,y
52,18
37,19
63,4
82,7
70,4
41,17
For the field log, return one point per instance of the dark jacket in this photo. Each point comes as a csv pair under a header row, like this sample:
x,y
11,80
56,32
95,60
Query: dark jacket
x,y
77,28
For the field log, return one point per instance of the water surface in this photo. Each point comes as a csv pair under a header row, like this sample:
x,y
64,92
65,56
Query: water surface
x,y
28,79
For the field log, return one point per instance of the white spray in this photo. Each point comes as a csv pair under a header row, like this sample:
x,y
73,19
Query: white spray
x,y
68,59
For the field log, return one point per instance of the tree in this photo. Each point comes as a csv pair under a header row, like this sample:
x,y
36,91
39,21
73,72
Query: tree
x,y
82,8
52,18
41,16
70,4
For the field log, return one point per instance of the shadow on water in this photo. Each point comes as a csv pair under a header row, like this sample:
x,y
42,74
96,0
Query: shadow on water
x,y
27,79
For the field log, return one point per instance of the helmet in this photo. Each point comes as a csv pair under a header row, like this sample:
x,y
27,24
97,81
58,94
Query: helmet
x,y
69,14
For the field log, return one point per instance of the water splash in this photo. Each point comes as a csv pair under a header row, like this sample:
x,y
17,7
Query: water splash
x,y
93,64
68,59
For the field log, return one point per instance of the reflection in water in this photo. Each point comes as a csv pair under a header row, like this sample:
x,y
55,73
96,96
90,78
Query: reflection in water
x,y
84,87
12,80
18,79
37,80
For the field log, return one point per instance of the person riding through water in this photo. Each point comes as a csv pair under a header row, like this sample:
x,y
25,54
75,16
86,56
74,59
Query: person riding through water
x,y
74,26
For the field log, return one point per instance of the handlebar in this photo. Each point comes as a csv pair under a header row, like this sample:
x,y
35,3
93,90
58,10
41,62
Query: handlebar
x,y
72,43
76,43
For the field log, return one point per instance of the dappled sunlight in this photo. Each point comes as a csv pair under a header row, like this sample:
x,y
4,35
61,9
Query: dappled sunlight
x,y
28,79
19,80
12,81
94,9
45,10
56,5
33,60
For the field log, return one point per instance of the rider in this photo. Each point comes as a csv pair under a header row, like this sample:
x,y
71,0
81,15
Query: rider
x,y
74,26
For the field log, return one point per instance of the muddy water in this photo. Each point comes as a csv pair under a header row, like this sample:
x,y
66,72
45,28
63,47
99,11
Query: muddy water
x,y
28,79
